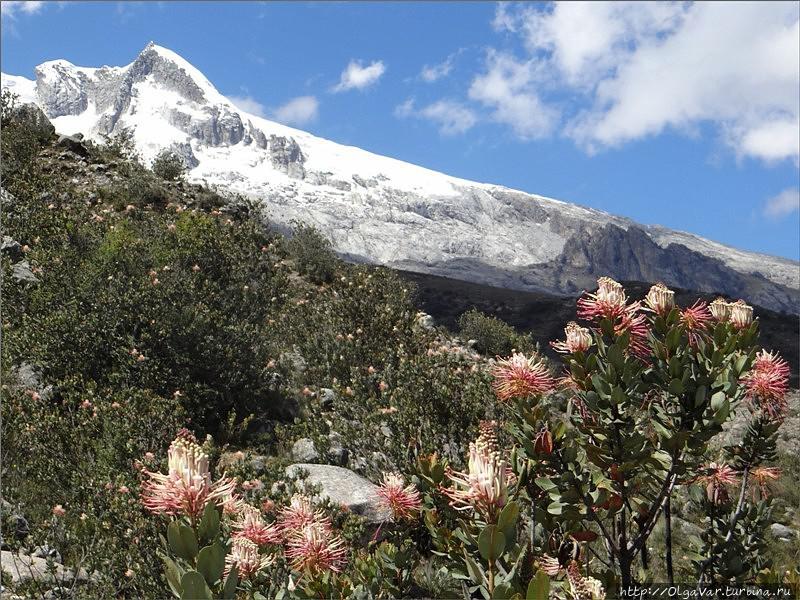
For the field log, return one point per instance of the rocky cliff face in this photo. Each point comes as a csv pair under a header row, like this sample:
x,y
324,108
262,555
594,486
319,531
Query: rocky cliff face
x,y
381,210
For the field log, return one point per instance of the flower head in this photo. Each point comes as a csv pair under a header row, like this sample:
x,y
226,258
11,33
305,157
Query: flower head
x,y
578,339
761,477
609,301
741,314
403,500
316,548
584,588
717,479
660,299
484,486
767,383
59,511
520,376
251,525
299,513
187,486
720,309
245,558
696,320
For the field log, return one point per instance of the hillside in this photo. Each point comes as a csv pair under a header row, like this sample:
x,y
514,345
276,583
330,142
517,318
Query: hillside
x,y
383,211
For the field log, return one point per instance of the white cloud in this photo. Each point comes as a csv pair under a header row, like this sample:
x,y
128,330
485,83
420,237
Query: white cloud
x,y
356,76
785,203
451,117
249,105
297,111
627,70
11,8
431,73
508,87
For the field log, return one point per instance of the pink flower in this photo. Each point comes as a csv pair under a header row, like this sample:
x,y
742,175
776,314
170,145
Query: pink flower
x,y
187,487
660,299
315,548
718,478
403,500
245,558
767,383
123,489
696,320
251,525
762,476
383,386
59,511
129,573
578,339
299,513
520,376
608,302
741,314
86,404
484,486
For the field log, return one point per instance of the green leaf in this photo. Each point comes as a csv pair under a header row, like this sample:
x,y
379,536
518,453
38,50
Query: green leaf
x,y
700,396
554,508
173,574
717,401
209,523
474,570
502,591
229,589
618,395
182,541
676,387
211,563
544,483
507,521
539,587
194,587
491,543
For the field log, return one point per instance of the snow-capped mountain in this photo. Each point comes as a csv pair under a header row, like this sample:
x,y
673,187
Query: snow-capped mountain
x,y
381,210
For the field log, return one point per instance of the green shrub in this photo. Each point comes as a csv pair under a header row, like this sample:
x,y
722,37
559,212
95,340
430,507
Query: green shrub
x,y
168,166
313,253
492,336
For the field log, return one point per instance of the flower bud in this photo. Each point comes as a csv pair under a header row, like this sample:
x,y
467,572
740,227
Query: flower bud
x,y
660,299
720,309
741,314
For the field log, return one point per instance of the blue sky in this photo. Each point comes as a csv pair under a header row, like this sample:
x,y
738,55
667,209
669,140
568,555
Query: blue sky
x,y
681,115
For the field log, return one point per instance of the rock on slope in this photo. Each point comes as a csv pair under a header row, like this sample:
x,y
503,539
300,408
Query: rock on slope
x,y
382,210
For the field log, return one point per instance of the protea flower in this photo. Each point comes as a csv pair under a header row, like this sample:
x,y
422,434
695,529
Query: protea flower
x,y
315,548
741,314
484,486
660,299
245,558
187,486
609,301
403,500
696,320
720,309
767,383
635,325
578,339
299,513
520,376
251,525
761,477
717,479
583,588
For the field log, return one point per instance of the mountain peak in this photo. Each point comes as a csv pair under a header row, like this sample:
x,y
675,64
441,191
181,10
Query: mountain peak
x,y
381,210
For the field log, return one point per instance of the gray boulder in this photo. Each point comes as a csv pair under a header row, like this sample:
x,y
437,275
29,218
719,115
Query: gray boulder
x,y
35,119
21,271
782,531
342,486
304,450
23,567
74,144
11,247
